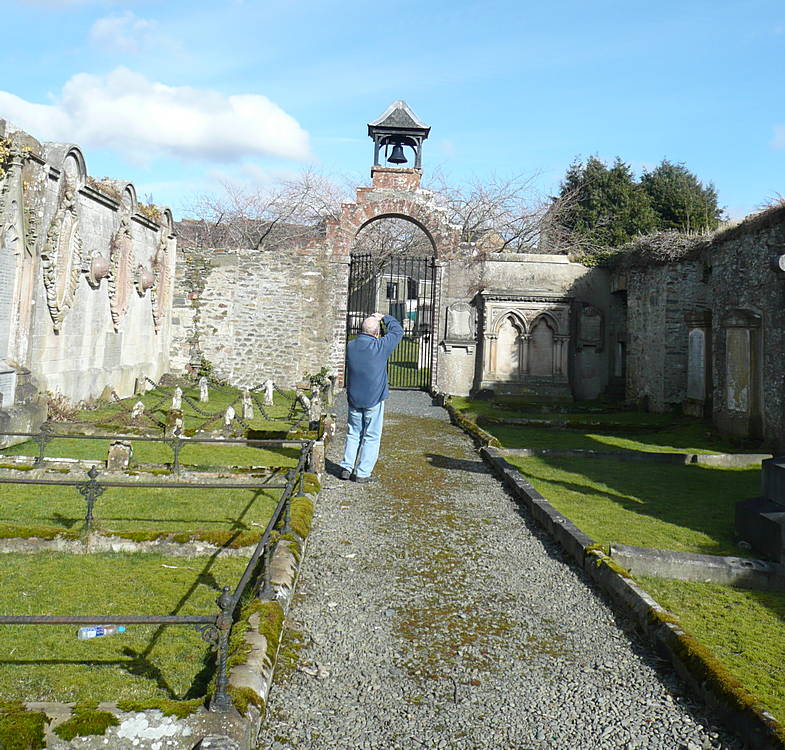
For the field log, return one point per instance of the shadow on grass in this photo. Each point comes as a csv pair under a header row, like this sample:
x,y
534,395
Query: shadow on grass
x,y
608,495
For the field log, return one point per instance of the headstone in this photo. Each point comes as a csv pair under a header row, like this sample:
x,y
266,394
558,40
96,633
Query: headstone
x,y
137,410
424,352
247,406
268,392
696,365
204,393
590,327
174,421
305,402
229,416
119,457
315,409
177,399
737,369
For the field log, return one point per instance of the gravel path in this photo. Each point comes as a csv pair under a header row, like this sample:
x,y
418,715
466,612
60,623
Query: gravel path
x,y
431,613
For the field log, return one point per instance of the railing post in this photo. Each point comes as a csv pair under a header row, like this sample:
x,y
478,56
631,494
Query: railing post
x,y
176,443
43,438
266,592
91,491
221,700
287,529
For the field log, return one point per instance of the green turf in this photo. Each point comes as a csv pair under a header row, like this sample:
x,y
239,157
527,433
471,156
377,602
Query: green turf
x,y
233,517
744,629
49,663
192,454
687,508
402,370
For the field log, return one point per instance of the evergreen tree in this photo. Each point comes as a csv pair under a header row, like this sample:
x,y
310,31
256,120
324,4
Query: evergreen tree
x,y
680,200
605,205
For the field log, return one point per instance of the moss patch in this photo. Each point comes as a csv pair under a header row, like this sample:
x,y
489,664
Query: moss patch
x,y
301,516
21,729
180,709
86,720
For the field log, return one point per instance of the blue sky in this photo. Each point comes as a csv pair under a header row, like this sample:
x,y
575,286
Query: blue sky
x,y
176,96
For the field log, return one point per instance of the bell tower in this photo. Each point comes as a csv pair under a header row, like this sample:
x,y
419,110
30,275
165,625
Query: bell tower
x,y
396,130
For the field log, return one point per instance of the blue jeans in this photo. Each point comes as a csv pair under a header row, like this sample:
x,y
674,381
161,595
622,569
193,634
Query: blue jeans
x,y
363,435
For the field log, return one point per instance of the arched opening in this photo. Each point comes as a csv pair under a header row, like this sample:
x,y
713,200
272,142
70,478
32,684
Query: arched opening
x,y
393,272
541,348
509,339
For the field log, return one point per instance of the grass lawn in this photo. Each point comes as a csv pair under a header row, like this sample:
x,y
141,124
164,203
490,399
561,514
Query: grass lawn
x,y
234,517
684,508
610,431
44,662
192,454
158,402
744,629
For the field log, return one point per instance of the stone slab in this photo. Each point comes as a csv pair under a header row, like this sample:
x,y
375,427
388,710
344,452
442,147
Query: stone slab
x,y
685,566
761,522
773,479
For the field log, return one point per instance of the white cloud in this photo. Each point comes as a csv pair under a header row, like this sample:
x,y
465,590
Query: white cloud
x,y
779,136
127,33
127,112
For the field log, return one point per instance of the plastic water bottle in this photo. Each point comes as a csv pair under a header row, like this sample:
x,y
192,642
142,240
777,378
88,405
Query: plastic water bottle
x,y
96,631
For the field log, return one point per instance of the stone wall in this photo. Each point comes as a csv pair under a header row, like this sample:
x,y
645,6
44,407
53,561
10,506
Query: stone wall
x,y
88,275
732,290
260,314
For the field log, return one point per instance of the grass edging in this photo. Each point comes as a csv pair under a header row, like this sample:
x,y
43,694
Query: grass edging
x,y
480,436
703,672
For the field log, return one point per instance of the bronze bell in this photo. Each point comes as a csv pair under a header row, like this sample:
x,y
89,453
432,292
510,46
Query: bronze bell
x,y
397,157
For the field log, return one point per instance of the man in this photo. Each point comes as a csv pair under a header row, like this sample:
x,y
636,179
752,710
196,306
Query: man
x,y
366,388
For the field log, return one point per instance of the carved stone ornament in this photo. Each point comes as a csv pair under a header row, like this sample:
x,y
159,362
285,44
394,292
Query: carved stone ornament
x,y
61,258
143,280
121,273
99,268
160,288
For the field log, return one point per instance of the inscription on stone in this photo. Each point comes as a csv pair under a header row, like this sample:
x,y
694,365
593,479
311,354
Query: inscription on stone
x,y
113,348
7,279
459,322
8,387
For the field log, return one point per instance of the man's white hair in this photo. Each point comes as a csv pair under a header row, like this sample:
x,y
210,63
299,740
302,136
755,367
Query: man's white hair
x,y
371,326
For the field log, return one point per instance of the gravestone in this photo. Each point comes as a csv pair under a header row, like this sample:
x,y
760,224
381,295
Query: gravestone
x,y
760,521
268,392
247,405
119,457
696,365
177,398
204,393
138,410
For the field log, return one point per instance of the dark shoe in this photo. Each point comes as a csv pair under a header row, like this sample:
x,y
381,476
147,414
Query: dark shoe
x,y
345,474
366,480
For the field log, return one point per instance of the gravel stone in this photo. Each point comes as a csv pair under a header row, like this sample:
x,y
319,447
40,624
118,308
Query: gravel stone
x,y
457,624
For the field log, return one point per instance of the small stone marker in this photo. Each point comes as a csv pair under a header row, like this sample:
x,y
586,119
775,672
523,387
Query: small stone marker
x,y
229,416
174,421
247,405
138,410
305,402
315,409
268,392
119,456
177,399
204,393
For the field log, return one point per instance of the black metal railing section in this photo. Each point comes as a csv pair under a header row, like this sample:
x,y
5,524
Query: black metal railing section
x,y
215,628
404,287
175,442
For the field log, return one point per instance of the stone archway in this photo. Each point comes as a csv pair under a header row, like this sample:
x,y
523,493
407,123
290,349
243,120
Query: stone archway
x,y
394,194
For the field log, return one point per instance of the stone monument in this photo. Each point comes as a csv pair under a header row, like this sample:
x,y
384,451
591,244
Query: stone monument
x,y
760,521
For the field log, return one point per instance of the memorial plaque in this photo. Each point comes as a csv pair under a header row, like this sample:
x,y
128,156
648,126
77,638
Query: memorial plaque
x,y
7,283
8,388
460,326
113,349
696,365
737,369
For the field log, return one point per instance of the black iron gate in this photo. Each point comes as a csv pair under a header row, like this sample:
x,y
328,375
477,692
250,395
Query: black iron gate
x,y
406,289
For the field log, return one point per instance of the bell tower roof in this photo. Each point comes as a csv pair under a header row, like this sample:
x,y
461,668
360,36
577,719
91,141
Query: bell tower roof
x,y
399,117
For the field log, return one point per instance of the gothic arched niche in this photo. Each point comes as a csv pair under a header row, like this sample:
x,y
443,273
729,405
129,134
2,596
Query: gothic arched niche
x,y
541,345
508,349
121,275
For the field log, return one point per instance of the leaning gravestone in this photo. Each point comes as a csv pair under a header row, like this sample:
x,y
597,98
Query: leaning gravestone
x,y
119,457
760,521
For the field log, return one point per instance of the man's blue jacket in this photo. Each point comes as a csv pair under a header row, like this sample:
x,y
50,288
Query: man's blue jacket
x,y
366,365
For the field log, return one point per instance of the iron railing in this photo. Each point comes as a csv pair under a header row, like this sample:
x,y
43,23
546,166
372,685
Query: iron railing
x,y
214,628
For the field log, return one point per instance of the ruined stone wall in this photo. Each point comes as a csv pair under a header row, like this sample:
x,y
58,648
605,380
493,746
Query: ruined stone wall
x,y
737,282
261,314
89,275
658,299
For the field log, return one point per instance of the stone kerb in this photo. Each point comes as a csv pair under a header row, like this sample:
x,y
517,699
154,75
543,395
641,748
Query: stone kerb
x,y
417,206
